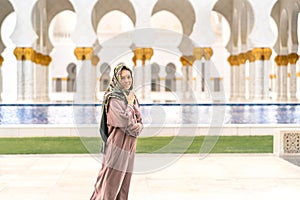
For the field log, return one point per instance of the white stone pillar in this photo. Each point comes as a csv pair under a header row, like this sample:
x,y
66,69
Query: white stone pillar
x,y
208,80
1,78
142,72
187,78
84,34
242,57
85,76
45,64
84,37
266,79
23,34
278,82
20,80
147,80
252,70
234,63
28,80
242,82
282,63
88,80
284,73
262,36
293,58
198,81
148,53
23,37
138,79
184,82
258,88
262,75
25,77
203,33
41,77
38,76
203,71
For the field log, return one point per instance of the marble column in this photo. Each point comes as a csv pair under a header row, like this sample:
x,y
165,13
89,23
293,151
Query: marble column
x,y
148,53
187,78
282,63
44,77
84,37
234,63
94,81
262,75
25,89
1,87
242,57
293,58
85,75
142,72
138,75
23,37
202,64
252,70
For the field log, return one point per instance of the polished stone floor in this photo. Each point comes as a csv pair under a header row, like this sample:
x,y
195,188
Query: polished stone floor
x,y
214,177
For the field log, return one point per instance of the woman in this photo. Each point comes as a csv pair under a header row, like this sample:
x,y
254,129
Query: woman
x,y
121,123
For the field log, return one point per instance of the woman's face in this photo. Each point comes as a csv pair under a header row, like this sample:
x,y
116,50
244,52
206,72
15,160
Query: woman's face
x,y
126,79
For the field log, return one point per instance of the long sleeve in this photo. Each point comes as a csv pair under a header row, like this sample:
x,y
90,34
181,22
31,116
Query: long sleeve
x,y
125,117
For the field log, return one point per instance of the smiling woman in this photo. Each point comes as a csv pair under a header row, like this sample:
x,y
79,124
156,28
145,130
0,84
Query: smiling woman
x,y
120,125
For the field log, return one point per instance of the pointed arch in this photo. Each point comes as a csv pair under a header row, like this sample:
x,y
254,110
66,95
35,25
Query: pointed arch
x,y
53,7
182,9
5,9
284,28
103,7
294,23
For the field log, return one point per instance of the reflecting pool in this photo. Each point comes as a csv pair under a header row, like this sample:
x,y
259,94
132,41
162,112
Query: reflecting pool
x,y
61,114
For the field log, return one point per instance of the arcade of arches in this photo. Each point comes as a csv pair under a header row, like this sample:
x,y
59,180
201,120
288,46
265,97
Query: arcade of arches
x,y
187,50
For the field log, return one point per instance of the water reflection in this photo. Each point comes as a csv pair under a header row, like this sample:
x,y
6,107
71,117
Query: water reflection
x,y
155,114
287,115
190,115
32,114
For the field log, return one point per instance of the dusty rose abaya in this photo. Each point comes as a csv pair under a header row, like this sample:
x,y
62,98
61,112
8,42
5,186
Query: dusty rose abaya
x,y
114,178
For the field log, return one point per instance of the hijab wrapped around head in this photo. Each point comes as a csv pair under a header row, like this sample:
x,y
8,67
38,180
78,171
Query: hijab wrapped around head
x,y
115,90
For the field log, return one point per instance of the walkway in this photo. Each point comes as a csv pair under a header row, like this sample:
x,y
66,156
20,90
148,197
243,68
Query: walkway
x,y
216,177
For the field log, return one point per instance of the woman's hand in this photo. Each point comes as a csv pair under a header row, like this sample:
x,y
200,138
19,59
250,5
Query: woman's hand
x,y
130,98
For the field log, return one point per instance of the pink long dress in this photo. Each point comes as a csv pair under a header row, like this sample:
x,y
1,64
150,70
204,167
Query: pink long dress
x,y
114,178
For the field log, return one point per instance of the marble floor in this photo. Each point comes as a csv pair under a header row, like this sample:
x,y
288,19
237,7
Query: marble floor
x,y
159,177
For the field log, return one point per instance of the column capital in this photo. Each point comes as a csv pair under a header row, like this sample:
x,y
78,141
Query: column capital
x,y
263,53
208,52
273,76
293,58
138,53
199,52
83,53
1,61
233,60
250,56
38,58
148,52
242,58
187,60
24,53
281,60
134,60
46,60
95,60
